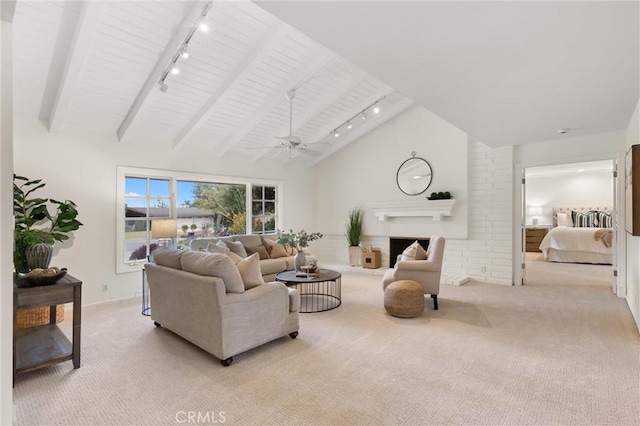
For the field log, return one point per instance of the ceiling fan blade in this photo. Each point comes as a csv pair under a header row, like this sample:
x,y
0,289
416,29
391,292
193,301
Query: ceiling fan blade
x,y
264,147
318,144
310,152
280,151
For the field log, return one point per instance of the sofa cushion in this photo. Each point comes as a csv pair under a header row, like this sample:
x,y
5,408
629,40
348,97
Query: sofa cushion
x,y
215,265
273,266
201,243
261,251
274,249
168,257
237,248
249,269
248,240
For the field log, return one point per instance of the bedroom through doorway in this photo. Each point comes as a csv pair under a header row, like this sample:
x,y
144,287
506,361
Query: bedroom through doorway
x,y
568,224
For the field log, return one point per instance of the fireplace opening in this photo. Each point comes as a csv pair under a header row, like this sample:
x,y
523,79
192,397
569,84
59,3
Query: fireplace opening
x,y
398,244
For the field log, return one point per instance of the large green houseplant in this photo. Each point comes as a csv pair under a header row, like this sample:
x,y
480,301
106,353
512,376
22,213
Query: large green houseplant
x,y
34,223
354,234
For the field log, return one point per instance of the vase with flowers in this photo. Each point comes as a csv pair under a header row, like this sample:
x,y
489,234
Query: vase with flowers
x,y
297,240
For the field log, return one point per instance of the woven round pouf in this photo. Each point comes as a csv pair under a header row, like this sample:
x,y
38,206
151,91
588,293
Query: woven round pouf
x,y
404,299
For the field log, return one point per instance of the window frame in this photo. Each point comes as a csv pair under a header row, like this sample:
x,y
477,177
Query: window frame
x,y
174,176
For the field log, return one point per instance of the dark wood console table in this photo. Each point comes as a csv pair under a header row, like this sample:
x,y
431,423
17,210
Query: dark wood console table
x,y
41,346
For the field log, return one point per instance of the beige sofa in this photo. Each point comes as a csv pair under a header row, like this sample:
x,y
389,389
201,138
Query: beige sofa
x,y
189,298
269,267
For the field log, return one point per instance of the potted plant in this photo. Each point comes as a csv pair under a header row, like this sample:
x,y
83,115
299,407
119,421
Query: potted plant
x,y
36,229
354,233
298,241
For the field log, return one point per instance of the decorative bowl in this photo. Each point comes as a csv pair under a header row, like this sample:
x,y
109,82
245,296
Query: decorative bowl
x,y
39,280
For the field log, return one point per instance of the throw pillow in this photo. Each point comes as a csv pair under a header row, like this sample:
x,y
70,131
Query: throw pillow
x,y
274,249
259,250
237,248
249,269
414,252
604,220
214,265
220,248
564,219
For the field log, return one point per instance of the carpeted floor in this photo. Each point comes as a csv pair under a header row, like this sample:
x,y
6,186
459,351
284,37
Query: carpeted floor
x,y
555,351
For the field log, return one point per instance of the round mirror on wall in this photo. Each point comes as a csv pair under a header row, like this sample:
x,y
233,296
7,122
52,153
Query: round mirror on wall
x,y
414,175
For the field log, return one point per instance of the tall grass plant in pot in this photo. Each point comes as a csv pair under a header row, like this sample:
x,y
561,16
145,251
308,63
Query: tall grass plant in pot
x,y
354,234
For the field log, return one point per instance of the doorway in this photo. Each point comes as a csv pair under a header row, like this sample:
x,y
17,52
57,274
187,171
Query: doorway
x,y
571,187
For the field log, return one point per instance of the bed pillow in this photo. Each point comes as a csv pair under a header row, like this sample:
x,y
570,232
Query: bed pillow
x,y
564,219
585,220
605,220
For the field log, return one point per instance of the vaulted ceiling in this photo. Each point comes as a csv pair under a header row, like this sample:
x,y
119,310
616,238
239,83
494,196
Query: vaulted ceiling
x,y
505,72
100,64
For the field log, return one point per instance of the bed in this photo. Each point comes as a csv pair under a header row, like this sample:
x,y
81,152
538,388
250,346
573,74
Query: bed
x,y
577,236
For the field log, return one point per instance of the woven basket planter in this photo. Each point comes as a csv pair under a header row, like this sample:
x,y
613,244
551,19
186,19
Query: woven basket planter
x,y
38,316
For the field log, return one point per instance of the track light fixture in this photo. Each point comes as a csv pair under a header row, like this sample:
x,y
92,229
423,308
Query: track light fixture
x,y
183,50
363,115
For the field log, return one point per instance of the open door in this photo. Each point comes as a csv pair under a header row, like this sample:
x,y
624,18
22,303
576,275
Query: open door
x,y
523,227
615,218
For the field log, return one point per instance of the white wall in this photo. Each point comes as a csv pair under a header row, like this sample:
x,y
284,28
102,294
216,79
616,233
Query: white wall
x,y
6,220
633,243
480,179
593,188
80,165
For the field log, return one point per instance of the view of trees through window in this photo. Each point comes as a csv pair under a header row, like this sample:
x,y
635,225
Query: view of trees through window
x,y
263,209
200,209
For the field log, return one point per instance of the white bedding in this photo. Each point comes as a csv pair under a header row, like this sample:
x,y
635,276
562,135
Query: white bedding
x,y
576,245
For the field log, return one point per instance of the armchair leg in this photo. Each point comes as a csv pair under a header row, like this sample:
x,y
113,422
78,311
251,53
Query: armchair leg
x,y
293,335
227,362
435,301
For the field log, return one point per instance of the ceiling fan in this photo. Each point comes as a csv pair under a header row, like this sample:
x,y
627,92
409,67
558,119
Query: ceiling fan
x,y
291,143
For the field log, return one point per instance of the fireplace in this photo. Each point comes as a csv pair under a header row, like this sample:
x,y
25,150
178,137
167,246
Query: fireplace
x,y
398,244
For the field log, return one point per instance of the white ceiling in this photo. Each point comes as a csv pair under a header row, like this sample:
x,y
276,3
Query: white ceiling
x,y
506,73
572,169
98,64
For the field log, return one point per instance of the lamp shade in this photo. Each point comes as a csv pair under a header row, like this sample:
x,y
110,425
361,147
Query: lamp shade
x,y
164,228
535,211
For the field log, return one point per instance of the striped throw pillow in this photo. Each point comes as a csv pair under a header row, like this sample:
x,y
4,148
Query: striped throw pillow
x,y
605,220
585,220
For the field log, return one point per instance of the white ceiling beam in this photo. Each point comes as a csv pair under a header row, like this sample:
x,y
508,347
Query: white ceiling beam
x,y
321,57
386,115
88,17
222,93
319,106
186,26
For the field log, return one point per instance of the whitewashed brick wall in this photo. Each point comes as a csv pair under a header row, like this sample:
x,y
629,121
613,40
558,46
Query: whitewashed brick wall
x,y
486,255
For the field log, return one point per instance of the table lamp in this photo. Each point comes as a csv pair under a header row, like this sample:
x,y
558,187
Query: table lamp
x,y
534,212
164,230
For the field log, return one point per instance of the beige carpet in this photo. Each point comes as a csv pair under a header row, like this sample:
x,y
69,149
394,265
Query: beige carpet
x,y
563,353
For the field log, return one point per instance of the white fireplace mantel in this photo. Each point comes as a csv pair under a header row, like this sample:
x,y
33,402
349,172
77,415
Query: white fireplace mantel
x,y
421,208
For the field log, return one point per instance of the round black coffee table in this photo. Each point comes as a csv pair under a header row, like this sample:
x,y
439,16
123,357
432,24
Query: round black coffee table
x,y
318,294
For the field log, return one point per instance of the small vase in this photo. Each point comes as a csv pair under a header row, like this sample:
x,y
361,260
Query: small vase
x,y
299,260
38,256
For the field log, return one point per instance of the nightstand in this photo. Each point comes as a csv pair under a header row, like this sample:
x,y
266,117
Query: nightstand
x,y
535,234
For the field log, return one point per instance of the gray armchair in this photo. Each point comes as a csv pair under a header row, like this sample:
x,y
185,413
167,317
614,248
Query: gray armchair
x,y
425,272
